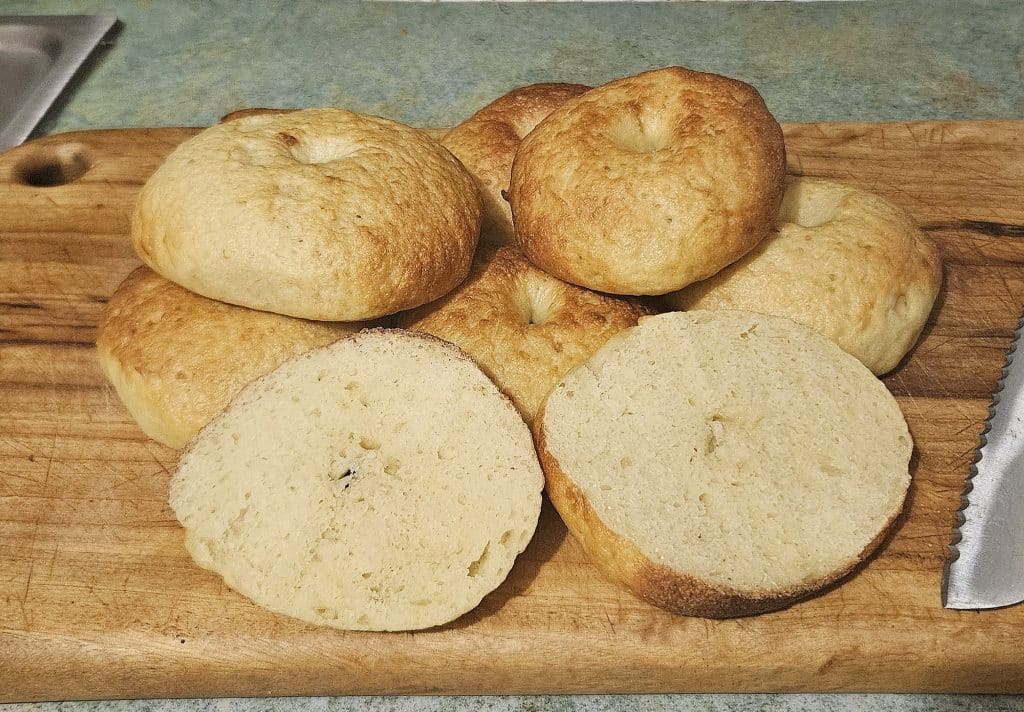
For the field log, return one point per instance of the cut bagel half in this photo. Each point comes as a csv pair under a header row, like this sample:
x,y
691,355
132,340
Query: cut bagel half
x,y
379,483
725,463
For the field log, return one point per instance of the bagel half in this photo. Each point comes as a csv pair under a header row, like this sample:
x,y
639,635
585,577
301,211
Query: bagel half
x,y
379,483
724,463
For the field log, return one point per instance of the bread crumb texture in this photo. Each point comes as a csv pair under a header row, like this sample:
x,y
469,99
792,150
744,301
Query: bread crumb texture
x,y
379,483
724,463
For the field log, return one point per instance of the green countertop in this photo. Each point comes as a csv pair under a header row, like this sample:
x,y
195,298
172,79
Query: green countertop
x,y
177,63
186,64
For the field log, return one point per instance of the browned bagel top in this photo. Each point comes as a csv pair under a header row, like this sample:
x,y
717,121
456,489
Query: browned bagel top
x,y
524,327
648,183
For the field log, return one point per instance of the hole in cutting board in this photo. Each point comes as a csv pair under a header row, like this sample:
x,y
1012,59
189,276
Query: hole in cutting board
x,y
53,165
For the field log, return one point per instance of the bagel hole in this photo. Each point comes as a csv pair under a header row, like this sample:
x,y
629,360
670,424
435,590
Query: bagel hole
x,y
324,150
808,208
534,304
639,134
53,165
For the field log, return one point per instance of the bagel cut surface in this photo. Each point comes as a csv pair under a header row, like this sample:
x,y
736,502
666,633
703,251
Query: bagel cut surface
x,y
843,261
523,327
486,143
320,214
176,359
379,483
724,463
649,183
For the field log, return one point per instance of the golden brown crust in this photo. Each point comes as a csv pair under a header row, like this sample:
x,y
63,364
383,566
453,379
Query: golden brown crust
x,y
487,142
320,214
842,261
523,327
623,563
177,359
648,183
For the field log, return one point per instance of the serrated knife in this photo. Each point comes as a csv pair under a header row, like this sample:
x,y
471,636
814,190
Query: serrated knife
x,y
986,564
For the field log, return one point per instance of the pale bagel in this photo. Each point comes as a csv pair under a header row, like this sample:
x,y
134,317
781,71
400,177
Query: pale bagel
x,y
525,328
724,463
847,263
436,134
649,183
321,214
396,492
486,143
176,358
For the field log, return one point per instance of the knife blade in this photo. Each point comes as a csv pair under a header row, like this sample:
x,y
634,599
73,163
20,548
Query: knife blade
x,y
986,564
39,56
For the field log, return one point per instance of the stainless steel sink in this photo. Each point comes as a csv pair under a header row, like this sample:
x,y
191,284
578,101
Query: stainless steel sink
x,y
38,57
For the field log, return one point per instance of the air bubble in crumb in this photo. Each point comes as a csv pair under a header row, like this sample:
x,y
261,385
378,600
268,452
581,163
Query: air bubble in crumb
x,y
474,568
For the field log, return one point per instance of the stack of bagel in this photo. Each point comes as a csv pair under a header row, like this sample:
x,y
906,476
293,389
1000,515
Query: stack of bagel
x,y
354,326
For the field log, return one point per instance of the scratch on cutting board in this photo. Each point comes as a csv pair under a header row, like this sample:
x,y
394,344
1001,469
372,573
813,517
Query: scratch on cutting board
x,y
610,624
28,579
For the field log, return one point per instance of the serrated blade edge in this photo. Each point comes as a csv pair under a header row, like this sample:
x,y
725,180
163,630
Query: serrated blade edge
x,y
985,568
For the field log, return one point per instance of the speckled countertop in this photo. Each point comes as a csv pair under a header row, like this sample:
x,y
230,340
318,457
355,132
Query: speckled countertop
x,y
177,63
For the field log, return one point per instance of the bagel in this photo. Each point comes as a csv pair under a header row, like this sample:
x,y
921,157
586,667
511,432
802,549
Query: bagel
x,y
487,142
253,111
176,358
320,214
724,463
436,134
649,183
394,491
842,261
523,327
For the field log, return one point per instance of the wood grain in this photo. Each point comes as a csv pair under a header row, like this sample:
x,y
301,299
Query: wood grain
x,y
98,598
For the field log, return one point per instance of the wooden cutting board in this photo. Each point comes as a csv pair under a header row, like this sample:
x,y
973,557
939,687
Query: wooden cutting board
x,y
98,598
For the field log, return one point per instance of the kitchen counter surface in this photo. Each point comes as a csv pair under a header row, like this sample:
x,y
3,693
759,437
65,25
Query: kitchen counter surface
x,y
176,63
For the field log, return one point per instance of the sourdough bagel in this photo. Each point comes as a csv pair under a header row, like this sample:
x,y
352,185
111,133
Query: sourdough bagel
x,y
724,463
397,490
321,214
176,358
846,263
487,142
648,183
522,326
